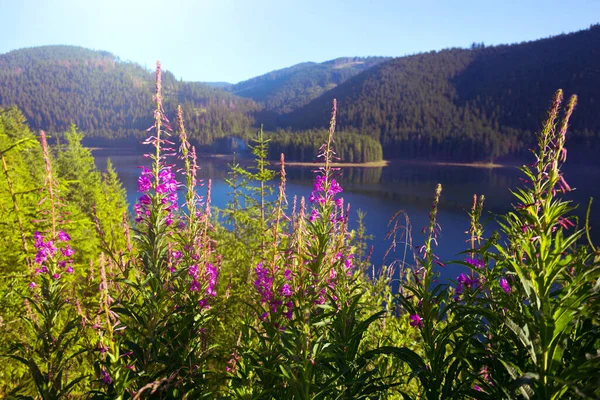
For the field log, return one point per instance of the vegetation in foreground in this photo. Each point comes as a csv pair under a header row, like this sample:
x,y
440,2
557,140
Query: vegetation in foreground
x,y
281,304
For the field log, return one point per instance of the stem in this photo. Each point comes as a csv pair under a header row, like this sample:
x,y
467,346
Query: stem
x,y
49,181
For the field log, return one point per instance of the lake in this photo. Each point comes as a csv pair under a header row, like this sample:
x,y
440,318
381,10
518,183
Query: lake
x,y
381,192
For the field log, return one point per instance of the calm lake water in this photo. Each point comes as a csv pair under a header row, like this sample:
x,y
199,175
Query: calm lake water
x,y
383,191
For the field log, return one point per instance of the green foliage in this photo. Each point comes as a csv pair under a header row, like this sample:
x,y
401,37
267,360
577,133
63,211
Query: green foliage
x,y
304,146
548,267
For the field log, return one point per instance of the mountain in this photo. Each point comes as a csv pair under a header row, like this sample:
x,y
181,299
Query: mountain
x,y
57,85
476,104
471,104
287,89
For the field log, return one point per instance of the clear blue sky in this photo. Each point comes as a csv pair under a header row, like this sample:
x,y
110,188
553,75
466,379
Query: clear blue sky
x,y
233,40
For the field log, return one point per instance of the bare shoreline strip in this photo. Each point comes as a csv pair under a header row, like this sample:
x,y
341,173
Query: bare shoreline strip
x,y
385,163
489,165
371,164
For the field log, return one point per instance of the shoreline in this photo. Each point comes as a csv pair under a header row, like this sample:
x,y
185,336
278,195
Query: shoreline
x,y
487,165
370,164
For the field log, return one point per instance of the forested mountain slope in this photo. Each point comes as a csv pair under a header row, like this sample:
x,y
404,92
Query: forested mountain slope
x,y
54,85
467,104
290,88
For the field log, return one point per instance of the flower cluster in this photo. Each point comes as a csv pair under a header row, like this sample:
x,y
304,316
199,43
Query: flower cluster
x,y
210,277
465,282
504,285
264,286
166,187
416,321
475,262
47,252
318,194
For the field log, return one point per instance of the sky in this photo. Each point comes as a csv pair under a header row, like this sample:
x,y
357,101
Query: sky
x,y
234,40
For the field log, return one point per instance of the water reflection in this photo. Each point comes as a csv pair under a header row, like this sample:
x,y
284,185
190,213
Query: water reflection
x,y
381,192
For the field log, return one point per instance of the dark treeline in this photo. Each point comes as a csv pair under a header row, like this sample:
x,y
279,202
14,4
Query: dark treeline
x,y
107,98
467,104
304,146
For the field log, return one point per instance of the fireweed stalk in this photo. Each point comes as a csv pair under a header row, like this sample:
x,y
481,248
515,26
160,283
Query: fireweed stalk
x,y
445,329
51,318
310,321
544,283
170,287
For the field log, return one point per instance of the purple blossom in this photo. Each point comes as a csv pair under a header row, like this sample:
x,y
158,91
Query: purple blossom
x,y
211,275
286,290
504,285
348,263
318,194
168,182
263,283
287,274
465,281
475,262
144,181
314,214
63,237
195,286
334,188
67,251
288,313
106,378
45,249
145,199
32,285
41,257
416,321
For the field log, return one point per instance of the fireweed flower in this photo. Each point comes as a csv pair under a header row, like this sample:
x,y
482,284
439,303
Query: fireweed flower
x,y
209,277
48,254
314,215
278,300
106,377
465,282
475,262
286,290
263,283
504,285
144,181
167,188
416,321
62,236
318,195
